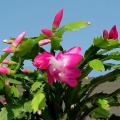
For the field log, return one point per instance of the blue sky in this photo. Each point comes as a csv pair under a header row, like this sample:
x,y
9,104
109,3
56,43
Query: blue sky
x,y
17,16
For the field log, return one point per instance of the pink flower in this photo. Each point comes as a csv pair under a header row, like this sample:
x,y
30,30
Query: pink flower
x,y
44,42
113,34
19,39
58,18
3,100
8,41
41,61
6,61
47,32
62,68
9,49
4,70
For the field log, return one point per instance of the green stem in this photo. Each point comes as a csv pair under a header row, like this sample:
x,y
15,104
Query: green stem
x,y
3,57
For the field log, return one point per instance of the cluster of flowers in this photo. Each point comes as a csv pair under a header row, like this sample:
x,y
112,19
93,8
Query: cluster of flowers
x,y
61,68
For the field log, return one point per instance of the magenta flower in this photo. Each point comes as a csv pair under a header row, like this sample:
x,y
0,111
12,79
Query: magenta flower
x,y
62,68
4,70
44,42
57,19
113,34
19,39
47,32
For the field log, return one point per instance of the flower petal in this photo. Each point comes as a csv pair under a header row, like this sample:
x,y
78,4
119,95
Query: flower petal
x,y
50,78
74,50
41,61
70,60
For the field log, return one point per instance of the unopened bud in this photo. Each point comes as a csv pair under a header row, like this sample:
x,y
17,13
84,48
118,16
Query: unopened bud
x,y
19,39
26,70
44,42
8,41
9,49
47,32
4,70
57,19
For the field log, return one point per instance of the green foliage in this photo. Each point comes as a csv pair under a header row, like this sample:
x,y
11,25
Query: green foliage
x,y
103,104
38,101
75,25
71,27
55,43
100,113
3,114
97,65
28,96
36,85
24,48
15,91
106,44
113,55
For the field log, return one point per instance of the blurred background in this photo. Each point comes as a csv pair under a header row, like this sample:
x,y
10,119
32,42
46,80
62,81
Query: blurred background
x,y
31,16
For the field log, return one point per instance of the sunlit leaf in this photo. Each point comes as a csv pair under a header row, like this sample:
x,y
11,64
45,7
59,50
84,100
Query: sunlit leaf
x,y
97,65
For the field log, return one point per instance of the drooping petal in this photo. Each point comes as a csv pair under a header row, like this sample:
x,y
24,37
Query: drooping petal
x,y
50,77
70,76
41,61
58,18
113,34
74,50
19,39
47,32
44,42
105,34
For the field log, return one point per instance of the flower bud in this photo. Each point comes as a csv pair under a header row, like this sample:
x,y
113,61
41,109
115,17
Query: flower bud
x,y
8,41
57,19
19,39
9,49
47,32
113,34
44,42
105,34
3,100
26,70
4,70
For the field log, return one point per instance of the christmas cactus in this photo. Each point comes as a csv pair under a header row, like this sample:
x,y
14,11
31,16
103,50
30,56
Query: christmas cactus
x,y
58,86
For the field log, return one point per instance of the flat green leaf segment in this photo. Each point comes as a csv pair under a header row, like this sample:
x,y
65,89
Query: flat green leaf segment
x,y
106,44
100,113
76,25
73,26
3,114
96,65
38,101
114,55
103,103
